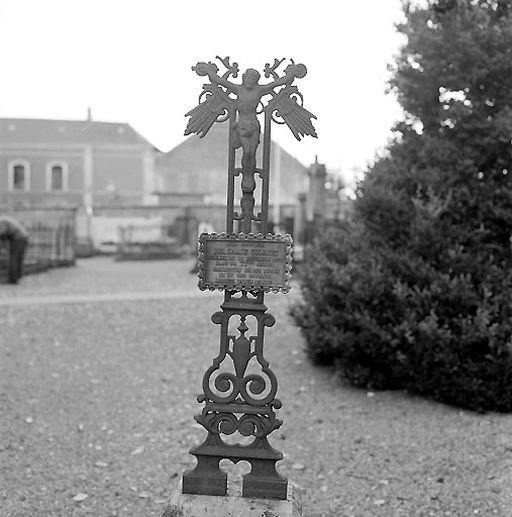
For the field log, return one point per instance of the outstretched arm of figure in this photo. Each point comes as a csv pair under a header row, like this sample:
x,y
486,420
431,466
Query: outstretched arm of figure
x,y
292,71
210,69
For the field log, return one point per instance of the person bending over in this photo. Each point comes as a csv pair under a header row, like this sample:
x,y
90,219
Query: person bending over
x,y
13,232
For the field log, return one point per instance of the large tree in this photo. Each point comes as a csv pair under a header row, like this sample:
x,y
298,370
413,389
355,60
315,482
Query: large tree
x,y
417,292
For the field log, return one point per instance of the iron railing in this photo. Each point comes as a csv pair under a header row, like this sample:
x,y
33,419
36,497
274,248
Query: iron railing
x,y
48,246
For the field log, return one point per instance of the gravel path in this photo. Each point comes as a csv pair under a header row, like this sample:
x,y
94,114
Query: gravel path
x,y
99,368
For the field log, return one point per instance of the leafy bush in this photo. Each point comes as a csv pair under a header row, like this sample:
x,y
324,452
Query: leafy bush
x,y
416,293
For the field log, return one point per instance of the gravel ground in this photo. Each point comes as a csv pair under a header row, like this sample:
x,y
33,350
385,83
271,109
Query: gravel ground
x,y
97,396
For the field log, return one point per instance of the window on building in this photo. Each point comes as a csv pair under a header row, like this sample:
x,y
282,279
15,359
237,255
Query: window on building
x,y
56,176
18,182
19,175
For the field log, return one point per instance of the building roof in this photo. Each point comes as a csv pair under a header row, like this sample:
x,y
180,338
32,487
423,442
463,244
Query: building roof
x,y
67,132
200,165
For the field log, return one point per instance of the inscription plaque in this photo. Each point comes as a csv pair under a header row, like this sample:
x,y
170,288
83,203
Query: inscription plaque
x,y
245,262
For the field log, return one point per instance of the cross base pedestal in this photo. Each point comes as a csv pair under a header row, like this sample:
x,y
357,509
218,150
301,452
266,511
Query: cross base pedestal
x,y
192,505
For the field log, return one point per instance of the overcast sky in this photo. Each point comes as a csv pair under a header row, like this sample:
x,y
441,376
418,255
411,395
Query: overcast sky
x,y
129,60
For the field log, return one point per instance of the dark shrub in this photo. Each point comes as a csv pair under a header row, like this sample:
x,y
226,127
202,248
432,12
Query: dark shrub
x,y
417,294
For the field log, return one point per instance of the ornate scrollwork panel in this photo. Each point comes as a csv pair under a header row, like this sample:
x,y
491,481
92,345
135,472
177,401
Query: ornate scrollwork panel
x,y
255,425
237,352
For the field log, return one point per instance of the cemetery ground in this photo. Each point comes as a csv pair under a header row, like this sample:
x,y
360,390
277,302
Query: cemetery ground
x,y
99,368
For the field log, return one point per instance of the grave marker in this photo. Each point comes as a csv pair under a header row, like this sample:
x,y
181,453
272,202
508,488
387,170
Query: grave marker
x,y
239,388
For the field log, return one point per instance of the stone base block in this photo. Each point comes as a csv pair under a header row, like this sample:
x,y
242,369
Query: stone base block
x,y
191,505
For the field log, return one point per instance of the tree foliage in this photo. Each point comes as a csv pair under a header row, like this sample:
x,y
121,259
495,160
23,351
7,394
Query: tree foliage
x,y
416,293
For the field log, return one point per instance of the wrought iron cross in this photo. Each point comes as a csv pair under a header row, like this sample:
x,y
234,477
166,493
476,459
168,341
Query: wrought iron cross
x,y
239,389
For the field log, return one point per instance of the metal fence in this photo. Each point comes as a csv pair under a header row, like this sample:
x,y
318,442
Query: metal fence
x,y
48,246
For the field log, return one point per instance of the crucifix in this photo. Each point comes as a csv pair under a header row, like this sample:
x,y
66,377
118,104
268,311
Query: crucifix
x,y
239,388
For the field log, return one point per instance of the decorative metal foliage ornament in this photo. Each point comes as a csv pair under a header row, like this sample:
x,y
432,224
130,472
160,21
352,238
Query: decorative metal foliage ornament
x,y
222,100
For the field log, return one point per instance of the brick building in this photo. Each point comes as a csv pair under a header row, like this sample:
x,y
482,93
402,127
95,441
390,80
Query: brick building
x,y
73,162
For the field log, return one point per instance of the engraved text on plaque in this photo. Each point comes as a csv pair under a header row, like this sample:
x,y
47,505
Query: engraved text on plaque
x,y
250,262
